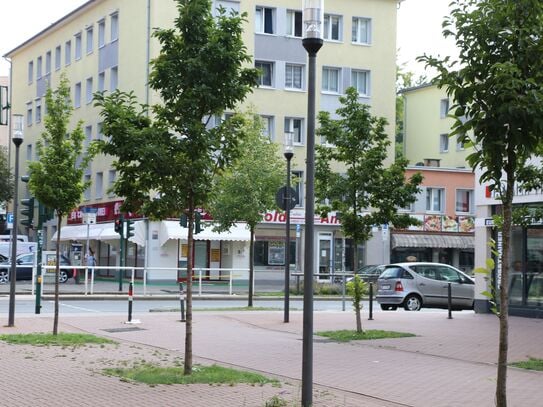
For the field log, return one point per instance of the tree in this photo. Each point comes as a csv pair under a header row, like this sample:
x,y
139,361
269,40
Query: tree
x,y
356,288
359,142
247,190
199,73
56,179
497,88
6,182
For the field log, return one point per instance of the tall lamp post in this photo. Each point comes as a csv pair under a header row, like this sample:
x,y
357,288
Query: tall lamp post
x,y
313,17
17,139
288,153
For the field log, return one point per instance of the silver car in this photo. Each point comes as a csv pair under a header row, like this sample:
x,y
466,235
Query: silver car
x,y
417,285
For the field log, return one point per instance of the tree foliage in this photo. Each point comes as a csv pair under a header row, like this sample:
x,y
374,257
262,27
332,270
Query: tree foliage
x,y
356,289
56,179
6,177
368,193
247,190
497,89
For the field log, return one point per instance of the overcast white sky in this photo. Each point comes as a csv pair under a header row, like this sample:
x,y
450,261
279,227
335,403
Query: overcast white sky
x,y
419,26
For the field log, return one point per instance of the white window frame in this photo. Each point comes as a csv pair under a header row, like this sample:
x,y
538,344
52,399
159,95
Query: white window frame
x,y
326,71
292,17
444,143
29,116
268,129
90,40
39,67
259,65
88,90
101,81
78,46
88,135
99,133
67,53
299,187
38,110
433,193
357,33
260,20
292,84
444,108
327,27
48,62
295,125
87,192
355,77
99,185
114,20
101,33
30,78
114,78
470,202
111,177
77,95
58,57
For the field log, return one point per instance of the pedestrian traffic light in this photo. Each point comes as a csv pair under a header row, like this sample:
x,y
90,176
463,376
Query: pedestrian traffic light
x,y
183,220
129,228
197,224
119,226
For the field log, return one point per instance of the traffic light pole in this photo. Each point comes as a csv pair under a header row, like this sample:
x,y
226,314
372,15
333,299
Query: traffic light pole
x,y
121,252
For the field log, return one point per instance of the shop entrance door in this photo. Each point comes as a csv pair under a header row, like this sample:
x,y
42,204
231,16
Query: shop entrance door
x,y
325,255
200,258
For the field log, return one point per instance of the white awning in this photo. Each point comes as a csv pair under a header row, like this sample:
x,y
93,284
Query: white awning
x,y
173,230
435,241
98,231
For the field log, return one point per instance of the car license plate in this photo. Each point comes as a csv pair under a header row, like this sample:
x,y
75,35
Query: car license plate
x,y
385,287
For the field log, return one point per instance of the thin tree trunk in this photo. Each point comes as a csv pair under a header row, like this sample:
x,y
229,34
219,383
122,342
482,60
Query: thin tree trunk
x,y
358,319
501,382
251,266
57,272
188,323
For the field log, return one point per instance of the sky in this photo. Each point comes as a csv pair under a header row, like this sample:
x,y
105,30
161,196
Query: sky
x,y
419,27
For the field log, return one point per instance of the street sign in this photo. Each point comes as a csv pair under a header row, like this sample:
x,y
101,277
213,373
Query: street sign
x,y
9,219
281,201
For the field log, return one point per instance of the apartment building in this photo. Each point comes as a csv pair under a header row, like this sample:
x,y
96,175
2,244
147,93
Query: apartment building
x,y
107,45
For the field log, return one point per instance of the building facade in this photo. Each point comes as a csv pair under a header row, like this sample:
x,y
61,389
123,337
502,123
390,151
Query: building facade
x,y
108,44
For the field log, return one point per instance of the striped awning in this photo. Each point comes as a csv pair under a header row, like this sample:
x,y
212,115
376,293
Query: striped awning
x,y
452,241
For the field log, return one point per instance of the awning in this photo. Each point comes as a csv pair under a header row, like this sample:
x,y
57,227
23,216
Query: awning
x,y
433,241
173,230
98,231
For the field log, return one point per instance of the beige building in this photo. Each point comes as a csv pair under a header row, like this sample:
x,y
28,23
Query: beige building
x,y
107,45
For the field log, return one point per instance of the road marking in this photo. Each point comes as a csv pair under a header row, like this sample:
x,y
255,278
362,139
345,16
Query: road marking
x,y
77,308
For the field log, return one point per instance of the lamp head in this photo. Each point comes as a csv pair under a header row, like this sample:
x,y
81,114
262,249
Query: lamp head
x,y
18,129
288,151
313,17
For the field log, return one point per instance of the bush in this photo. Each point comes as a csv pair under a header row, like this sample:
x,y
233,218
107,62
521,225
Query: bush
x,y
324,288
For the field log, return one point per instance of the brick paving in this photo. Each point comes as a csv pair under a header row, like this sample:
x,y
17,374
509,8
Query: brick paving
x,y
448,363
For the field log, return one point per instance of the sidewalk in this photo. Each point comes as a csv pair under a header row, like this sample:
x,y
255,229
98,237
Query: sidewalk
x,y
448,363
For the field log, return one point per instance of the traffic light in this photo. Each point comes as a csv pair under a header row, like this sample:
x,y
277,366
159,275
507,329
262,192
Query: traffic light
x,y
28,211
119,226
129,228
197,224
183,220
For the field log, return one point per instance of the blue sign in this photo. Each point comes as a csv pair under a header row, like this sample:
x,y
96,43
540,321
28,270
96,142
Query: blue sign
x,y
9,219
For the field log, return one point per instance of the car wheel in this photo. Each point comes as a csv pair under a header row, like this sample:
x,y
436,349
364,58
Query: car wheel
x,y
386,307
63,276
4,276
412,303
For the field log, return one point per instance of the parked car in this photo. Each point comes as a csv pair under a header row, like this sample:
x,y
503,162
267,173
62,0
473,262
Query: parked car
x,y
416,285
25,263
368,273
3,258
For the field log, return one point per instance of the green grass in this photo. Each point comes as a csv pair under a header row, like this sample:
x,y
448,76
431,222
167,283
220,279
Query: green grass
x,y
347,335
62,339
153,375
530,364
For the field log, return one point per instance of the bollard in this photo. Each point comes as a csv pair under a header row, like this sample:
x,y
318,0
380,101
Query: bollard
x,y
449,295
371,302
130,295
182,300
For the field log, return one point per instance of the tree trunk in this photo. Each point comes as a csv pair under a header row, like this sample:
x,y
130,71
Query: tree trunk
x,y
251,266
358,320
188,323
57,273
507,202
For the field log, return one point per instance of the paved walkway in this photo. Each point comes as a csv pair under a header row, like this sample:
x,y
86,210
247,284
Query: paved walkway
x,y
448,363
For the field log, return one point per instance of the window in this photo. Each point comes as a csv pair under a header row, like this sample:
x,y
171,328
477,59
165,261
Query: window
x,y
114,79
30,71
29,152
264,17
444,108
432,162
332,27
99,185
87,193
114,27
464,200
90,39
266,73
38,68
459,143
78,46
360,81
77,95
101,81
267,126
48,62
293,76
58,56
101,33
298,185
38,110
68,53
88,94
29,114
361,30
88,136
112,175
295,126
444,143
330,80
99,134
434,199
294,23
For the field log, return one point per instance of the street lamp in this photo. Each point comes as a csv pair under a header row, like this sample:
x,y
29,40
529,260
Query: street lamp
x,y
17,138
288,153
313,17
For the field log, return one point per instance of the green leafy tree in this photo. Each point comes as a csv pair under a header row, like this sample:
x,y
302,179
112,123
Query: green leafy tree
x,y
356,289
497,88
166,168
368,193
247,190
56,179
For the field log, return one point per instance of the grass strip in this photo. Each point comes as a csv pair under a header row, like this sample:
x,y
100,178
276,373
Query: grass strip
x,y
530,364
348,335
61,339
